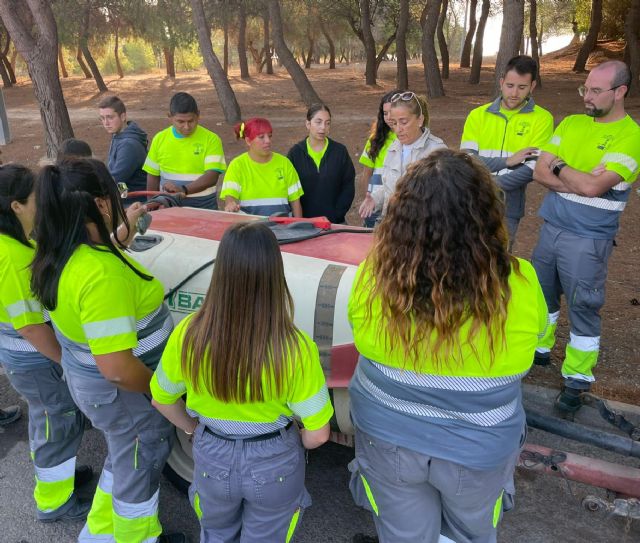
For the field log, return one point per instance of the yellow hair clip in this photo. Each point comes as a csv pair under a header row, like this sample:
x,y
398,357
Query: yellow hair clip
x,y
242,130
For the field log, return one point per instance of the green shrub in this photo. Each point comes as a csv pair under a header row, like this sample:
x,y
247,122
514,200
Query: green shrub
x,y
140,56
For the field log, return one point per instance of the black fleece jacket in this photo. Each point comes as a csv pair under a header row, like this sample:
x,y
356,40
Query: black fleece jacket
x,y
330,191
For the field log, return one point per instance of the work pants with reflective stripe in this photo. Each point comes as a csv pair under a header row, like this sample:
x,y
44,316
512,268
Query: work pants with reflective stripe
x,y
415,497
248,491
576,267
139,439
56,426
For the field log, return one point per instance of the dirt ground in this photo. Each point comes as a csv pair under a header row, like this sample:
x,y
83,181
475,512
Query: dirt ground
x,y
354,107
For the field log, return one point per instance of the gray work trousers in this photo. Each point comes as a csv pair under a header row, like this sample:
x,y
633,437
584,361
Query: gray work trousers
x,y
415,498
248,491
139,440
512,228
576,267
56,425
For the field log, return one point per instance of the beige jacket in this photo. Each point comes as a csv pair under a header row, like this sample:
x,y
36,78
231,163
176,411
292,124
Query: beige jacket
x,y
394,168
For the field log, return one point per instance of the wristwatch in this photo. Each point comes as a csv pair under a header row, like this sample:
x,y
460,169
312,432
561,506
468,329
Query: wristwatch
x,y
559,165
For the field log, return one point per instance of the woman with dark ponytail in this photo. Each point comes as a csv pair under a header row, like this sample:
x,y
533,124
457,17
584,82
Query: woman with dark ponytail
x,y
30,355
111,321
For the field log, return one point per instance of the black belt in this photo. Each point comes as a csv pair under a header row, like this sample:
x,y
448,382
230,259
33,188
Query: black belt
x,y
261,437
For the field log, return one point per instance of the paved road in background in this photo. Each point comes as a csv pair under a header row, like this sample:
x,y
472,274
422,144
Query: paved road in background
x,y
546,512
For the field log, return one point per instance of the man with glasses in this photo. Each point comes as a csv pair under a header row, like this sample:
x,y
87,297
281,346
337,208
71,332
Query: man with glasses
x,y
507,133
589,166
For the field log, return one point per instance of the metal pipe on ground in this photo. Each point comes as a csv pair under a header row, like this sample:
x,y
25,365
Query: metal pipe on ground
x,y
592,471
577,432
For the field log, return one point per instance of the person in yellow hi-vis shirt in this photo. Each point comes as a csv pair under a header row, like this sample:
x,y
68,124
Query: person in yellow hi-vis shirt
x,y
446,322
507,135
261,182
186,159
375,150
588,166
247,371
112,323
30,355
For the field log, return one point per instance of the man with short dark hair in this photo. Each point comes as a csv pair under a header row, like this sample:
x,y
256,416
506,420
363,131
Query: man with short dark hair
x,y
507,133
128,148
589,166
186,159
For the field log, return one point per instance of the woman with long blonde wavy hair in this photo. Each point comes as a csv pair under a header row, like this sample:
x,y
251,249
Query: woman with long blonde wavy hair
x,y
446,322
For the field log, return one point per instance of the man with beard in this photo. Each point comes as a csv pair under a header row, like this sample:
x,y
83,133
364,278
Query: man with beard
x,y
589,166
507,134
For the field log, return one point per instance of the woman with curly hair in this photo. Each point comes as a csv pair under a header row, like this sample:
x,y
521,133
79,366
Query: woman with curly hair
x,y
446,322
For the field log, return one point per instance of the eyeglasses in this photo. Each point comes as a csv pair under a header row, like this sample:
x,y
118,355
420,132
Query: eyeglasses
x,y
583,91
123,189
406,97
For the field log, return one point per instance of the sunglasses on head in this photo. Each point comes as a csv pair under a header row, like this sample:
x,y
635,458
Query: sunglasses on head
x,y
406,97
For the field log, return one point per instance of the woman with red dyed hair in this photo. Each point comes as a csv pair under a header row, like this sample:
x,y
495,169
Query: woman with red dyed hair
x,y
261,182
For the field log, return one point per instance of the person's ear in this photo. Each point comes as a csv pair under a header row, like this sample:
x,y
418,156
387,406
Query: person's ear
x,y
16,207
101,204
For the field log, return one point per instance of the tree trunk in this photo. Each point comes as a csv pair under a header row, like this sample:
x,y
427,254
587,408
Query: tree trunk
x,y
383,52
442,42
5,66
12,60
169,60
510,36
242,41
39,50
369,43
84,46
331,43
533,33
83,66
257,56
116,53
429,56
225,93
267,44
632,24
9,64
476,65
465,56
307,92
63,67
6,80
225,47
576,34
592,36
402,73
307,62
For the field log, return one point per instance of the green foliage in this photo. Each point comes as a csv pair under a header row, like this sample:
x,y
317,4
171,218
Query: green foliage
x,y
188,58
614,13
140,55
